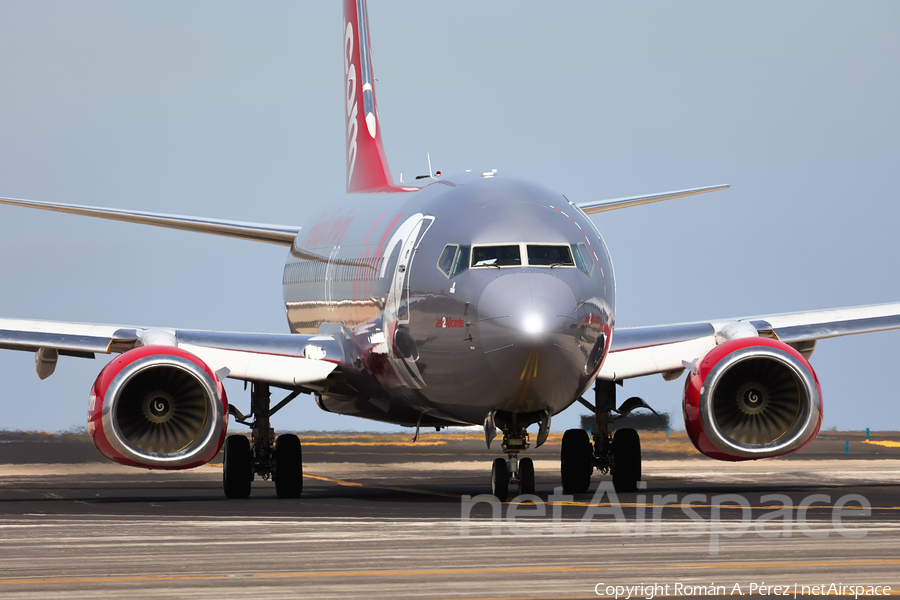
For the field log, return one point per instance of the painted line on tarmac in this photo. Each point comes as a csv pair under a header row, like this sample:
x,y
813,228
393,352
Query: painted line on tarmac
x,y
421,572
383,487
730,506
886,444
337,481
344,482
378,444
600,504
670,506
582,596
395,454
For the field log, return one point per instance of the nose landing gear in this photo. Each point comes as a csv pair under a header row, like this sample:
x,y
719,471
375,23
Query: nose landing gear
x,y
501,477
513,470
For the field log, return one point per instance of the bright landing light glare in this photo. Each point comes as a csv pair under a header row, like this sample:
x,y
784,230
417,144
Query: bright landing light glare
x,y
533,324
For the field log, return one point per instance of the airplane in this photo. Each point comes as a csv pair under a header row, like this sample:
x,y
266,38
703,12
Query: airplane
x,y
466,299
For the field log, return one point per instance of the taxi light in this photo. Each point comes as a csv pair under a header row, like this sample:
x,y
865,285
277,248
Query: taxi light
x,y
313,352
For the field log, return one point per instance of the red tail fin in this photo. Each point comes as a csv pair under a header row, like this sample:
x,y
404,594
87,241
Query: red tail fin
x,y
367,169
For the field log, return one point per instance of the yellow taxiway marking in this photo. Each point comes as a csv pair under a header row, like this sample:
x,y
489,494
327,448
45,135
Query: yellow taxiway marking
x,y
456,437
337,481
577,596
886,443
582,596
670,505
725,506
476,571
393,454
595,504
382,487
409,443
427,438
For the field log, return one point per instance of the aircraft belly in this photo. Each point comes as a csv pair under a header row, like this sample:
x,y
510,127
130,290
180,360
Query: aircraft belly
x,y
397,411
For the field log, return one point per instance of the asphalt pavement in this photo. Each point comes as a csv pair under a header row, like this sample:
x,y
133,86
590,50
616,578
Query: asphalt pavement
x,y
383,517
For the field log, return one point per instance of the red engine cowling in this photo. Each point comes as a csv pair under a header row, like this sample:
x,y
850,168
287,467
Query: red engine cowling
x,y
752,398
158,407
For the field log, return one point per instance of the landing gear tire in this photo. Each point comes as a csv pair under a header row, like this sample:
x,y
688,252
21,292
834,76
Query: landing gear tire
x,y
500,479
237,472
288,466
576,461
626,460
526,476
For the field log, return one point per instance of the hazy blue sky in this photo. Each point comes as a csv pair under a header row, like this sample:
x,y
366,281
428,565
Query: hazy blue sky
x,y
233,110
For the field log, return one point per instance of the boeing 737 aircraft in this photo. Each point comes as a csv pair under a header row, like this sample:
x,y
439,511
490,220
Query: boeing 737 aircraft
x,y
454,300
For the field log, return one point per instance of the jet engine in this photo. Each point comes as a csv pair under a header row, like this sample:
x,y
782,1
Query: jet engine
x,y
158,407
752,398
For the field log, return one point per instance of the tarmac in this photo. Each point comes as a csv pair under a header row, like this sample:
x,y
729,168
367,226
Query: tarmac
x,y
384,517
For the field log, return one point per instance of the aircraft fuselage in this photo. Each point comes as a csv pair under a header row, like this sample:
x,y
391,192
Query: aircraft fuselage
x,y
465,297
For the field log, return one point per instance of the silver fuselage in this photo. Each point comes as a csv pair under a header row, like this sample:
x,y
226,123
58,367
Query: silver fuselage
x,y
422,346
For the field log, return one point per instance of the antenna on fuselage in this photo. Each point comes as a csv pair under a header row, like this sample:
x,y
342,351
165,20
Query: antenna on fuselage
x,y
431,174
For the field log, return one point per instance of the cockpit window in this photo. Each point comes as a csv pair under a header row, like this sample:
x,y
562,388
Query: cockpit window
x,y
549,256
496,256
586,257
454,260
445,263
583,258
462,261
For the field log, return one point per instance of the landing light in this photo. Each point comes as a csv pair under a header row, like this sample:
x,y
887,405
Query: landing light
x,y
533,324
314,352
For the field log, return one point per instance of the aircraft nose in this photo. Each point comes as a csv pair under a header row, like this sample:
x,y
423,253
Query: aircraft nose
x,y
528,328
525,308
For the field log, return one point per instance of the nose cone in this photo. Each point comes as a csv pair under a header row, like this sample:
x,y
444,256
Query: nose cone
x,y
525,308
528,328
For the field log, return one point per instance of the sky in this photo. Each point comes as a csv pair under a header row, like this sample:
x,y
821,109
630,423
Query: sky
x,y
233,110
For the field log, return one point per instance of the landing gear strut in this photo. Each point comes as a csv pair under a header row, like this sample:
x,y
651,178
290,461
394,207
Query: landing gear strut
x,y
512,469
263,454
618,454
515,439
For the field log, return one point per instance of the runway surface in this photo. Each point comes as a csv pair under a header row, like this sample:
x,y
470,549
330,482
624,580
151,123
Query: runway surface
x,y
383,518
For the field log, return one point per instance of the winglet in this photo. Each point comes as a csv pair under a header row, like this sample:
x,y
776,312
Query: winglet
x,y
367,168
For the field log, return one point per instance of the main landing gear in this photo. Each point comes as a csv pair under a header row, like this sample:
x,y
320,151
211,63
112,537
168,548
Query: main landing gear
x,y
618,454
263,454
513,470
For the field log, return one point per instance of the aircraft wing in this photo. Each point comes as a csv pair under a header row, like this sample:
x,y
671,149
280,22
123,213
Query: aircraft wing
x,y
670,349
599,206
282,235
280,359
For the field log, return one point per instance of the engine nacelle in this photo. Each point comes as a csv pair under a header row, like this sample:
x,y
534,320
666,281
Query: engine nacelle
x,y
752,398
158,407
